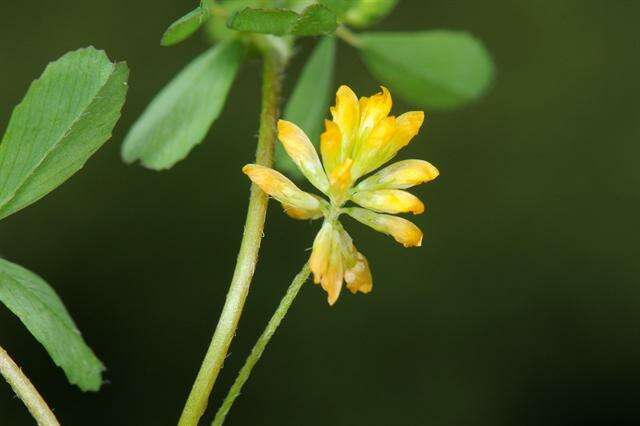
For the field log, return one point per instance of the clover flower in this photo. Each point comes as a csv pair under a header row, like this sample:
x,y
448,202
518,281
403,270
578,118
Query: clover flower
x,y
361,138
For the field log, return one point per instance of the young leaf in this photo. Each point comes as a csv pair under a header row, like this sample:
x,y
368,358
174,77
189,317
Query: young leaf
x,y
435,69
66,115
360,13
310,99
367,12
217,26
180,116
314,20
40,309
339,7
266,21
184,27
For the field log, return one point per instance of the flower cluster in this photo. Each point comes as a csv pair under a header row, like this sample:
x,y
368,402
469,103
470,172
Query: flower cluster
x,y
361,138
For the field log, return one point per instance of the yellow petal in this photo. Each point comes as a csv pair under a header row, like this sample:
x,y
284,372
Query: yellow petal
x,y
346,114
332,280
403,231
372,110
340,181
408,126
330,145
303,154
401,175
280,188
319,259
359,278
369,151
348,250
389,201
332,277
301,214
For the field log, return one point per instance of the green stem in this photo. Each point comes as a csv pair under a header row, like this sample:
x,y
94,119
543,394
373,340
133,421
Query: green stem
x,y
274,64
349,36
262,342
21,385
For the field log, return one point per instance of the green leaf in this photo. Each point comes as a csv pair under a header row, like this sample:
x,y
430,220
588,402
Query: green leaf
x,y
40,309
184,27
360,13
434,69
180,116
314,20
339,7
310,99
217,26
66,115
266,21
297,5
367,12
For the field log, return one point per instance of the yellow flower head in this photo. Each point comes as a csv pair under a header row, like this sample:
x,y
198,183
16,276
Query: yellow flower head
x,y
360,138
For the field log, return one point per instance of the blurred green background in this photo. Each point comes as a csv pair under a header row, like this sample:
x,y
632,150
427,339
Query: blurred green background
x,y
521,308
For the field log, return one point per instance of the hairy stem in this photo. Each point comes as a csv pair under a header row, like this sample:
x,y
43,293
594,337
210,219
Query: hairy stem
x,y
21,385
196,404
260,345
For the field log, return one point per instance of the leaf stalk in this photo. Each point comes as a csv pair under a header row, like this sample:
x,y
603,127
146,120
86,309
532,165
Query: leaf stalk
x,y
349,36
261,344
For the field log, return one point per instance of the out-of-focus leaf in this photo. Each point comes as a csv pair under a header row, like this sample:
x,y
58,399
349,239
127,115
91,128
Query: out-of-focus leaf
x,y
298,5
434,69
40,309
310,99
180,116
360,13
184,27
339,7
66,115
367,12
266,21
314,20
217,26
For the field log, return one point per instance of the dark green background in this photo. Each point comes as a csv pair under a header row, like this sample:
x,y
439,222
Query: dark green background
x,y
521,308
